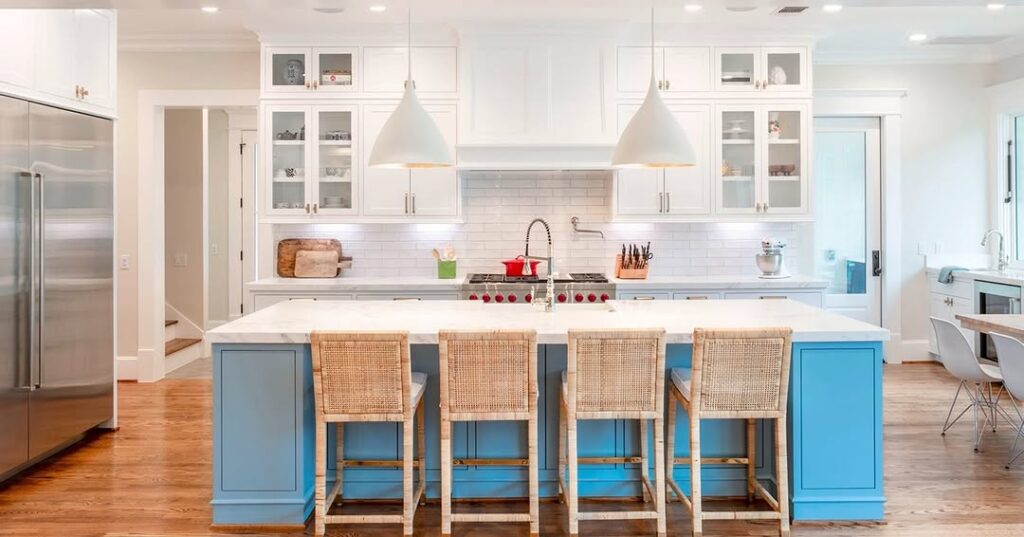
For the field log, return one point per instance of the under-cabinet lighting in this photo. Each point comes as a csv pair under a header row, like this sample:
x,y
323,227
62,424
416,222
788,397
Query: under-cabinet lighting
x,y
832,8
693,8
210,9
917,38
378,8
995,7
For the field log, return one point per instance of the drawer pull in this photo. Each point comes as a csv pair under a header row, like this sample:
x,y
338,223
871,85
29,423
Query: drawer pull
x,y
643,298
696,297
406,298
773,297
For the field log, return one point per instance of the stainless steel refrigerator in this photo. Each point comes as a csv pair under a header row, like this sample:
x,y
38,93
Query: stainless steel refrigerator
x,y
56,279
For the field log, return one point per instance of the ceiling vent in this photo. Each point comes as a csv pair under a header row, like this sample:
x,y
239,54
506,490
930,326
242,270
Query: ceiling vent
x,y
791,10
967,39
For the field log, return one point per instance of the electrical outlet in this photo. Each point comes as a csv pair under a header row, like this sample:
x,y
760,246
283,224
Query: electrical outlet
x,y
123,262
180,260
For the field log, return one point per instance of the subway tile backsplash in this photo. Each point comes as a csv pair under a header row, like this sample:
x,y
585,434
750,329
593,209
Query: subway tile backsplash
x,y
498,207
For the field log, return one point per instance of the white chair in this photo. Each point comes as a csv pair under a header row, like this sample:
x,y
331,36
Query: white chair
x,y
959,359
1011,364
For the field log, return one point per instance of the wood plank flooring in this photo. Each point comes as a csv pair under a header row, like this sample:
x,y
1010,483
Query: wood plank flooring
x,y
152,478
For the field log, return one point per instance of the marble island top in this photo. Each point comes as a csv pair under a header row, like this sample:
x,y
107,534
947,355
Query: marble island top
x,y
292,321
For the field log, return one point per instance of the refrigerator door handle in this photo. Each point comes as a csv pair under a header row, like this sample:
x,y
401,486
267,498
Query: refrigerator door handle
x,y
26,367
36,302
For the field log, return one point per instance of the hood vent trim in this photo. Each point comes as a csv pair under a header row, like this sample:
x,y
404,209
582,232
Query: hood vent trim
x,y
534,156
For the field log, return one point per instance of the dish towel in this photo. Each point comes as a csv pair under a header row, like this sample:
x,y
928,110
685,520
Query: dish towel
x,y
946,273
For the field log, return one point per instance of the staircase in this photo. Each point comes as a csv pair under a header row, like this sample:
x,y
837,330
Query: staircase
x,y
179,351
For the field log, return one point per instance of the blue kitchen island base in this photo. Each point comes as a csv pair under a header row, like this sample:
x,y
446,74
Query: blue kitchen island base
x,y
264,438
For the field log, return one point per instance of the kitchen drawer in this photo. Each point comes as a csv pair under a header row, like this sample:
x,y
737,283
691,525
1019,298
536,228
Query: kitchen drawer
x,y
633,295
696,296
264,301
408,296
961,287
813,299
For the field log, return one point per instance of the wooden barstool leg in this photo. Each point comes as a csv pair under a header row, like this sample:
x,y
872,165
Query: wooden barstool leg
x,y
751,454
408,507
562,430
695,493
645,463
659,474
534,471
421,450
339,433
446,475
574,507
320,494
782,473
670,442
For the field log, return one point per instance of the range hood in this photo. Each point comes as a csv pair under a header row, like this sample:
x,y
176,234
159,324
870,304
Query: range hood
x,y
534,156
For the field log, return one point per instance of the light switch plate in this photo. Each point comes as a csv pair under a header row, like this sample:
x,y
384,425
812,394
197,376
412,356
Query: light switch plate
x,y
123,262
180,260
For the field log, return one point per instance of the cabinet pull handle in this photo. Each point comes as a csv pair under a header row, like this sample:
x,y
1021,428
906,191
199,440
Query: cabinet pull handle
x,y
316,84
406,203
764,207
757,207
695,297
85,92
668,202
643,298
78,91
314,208
773,297
661,202
668,84
397,298
307,84
414,203
660,84
307,208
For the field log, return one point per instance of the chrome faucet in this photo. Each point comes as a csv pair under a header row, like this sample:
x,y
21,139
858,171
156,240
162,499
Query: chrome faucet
x,y
549,300
1003,260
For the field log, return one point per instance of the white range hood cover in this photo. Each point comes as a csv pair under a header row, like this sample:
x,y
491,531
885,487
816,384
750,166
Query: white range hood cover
x,y
535,156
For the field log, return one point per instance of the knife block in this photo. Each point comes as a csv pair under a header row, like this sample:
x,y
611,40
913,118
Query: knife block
x,y
630,274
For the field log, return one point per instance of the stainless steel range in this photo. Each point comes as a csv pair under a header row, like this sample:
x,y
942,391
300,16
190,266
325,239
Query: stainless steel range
x,y
574,287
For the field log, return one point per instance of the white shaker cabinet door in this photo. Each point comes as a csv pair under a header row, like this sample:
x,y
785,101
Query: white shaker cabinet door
x,y
16,39
687,69
55,52
385,191
435,192
688,190
633,68
93,57
433,69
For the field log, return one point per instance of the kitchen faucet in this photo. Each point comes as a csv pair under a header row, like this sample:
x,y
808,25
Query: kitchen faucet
x,y
1003,261
549,300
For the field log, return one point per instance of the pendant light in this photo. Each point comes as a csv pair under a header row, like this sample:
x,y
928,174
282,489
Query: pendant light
x,y
410,138
653,137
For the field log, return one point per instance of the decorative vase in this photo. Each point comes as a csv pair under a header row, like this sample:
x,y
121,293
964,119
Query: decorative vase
x,y
777,76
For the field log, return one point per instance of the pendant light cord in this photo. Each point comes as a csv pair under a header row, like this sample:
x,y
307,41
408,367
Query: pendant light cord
x,y
652,39
408,32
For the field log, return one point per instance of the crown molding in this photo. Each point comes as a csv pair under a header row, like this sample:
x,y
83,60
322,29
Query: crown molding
x,y
189,43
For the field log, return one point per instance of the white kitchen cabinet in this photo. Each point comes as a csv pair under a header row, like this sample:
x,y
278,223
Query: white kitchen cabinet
x,y
677,70
537,90
94,56
306,70
409,193
672,192
946,301
309,155
813,298
693,295
75,55
55,49
762,69
17,28
762,159
434,70
643,295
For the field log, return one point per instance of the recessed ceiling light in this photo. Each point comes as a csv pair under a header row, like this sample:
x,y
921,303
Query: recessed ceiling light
x,y
693,8
378,8
210,9
832,8
329,10
917,38
996,7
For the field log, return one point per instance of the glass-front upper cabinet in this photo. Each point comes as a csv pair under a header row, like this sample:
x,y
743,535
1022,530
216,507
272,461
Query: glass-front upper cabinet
x,y
782,69
287,158
738,156
334,173
303,69
784,181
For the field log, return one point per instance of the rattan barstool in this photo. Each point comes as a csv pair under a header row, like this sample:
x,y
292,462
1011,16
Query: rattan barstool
x,y
613,375
736,374
488,376
366,377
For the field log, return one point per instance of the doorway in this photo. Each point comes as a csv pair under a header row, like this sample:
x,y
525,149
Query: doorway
x,y
848,230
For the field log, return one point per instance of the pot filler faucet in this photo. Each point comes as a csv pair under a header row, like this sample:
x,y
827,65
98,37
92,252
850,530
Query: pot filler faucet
x,y
549,299
1003,261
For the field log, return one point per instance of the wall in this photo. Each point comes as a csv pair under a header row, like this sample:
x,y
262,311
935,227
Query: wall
x,y
157,71
1007,69
183,216
945,184
217,221
498,208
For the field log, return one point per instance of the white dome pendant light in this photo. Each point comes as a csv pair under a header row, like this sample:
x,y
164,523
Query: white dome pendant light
x,y
410,138
653,137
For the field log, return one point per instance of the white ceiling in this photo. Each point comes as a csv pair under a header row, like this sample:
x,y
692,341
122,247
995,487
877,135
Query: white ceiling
x,y
865,30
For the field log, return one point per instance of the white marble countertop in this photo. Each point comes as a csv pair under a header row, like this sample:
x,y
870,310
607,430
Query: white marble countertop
x,y
720,282
1007,276
291,322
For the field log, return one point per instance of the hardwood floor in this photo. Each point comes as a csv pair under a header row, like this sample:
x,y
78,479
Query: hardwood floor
x,y
152,477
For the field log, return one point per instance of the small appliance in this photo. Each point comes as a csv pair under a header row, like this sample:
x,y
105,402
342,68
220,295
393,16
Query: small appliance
x,y
769,261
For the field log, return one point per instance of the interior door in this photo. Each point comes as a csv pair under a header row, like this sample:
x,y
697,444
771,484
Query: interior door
x,y
848,231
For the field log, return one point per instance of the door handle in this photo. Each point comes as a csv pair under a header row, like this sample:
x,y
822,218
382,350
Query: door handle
x,y
36,302
876,263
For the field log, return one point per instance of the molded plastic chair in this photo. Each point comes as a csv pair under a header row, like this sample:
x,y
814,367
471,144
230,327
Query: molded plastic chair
x,y
1011,364
961,362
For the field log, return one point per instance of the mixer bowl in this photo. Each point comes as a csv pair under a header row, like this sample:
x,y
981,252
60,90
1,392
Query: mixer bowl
x,y
769,264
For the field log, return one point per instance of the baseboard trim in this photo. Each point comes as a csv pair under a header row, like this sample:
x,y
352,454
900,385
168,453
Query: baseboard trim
x,y
915,350
127,368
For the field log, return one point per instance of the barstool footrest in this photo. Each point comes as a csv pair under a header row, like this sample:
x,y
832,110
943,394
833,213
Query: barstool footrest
x,y
713,460
490,462
491,517
617,515
363,519
740,515
374,463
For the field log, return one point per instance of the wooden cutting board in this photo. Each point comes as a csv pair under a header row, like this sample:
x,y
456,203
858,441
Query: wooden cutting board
x,y
288,248
319,263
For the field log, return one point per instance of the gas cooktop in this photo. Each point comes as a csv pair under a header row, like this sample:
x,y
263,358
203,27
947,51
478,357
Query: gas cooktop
x,y
575,277
573,287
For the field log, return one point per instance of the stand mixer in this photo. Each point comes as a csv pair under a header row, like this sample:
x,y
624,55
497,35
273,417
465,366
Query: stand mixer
x,y
769,261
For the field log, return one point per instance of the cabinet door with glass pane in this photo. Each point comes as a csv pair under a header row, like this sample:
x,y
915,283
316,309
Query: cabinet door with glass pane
x,y
287,159
785,163
738,68
335,69
785,68
333,179
287,69
739,159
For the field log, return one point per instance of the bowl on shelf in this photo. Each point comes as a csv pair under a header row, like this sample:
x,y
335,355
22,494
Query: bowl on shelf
x,y
781,169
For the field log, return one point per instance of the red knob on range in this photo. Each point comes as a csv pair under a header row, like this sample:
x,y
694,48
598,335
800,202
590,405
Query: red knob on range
x,y
579,297
561,297
604,297
528,297
592,297
486,297
511,297
499,298
473,296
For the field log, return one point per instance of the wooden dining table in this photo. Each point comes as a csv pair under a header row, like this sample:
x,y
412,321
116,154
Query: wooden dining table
x,y
1010,325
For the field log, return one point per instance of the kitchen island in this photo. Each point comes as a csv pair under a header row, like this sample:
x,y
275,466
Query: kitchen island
x,y
264,421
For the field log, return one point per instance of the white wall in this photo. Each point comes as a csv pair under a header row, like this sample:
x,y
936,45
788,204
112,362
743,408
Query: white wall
x,y
218,210
183,213
157,71
945,184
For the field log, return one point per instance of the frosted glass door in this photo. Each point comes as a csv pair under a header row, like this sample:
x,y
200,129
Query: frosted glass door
x,y
288,152
784,68
334,172
287,69
785,183
335,69
738,69
737,170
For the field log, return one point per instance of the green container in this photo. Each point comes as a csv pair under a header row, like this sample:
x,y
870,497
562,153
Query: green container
x,y
445,270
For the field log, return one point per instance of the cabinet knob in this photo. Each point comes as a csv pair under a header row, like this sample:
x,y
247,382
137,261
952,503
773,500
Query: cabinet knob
x,y
307,208
414,203
316,84
661,84
314,208
85,92
668,84
661,202
308,85
757,207
406,203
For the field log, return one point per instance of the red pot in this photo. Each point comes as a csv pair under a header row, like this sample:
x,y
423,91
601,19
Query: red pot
x,y
514,267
